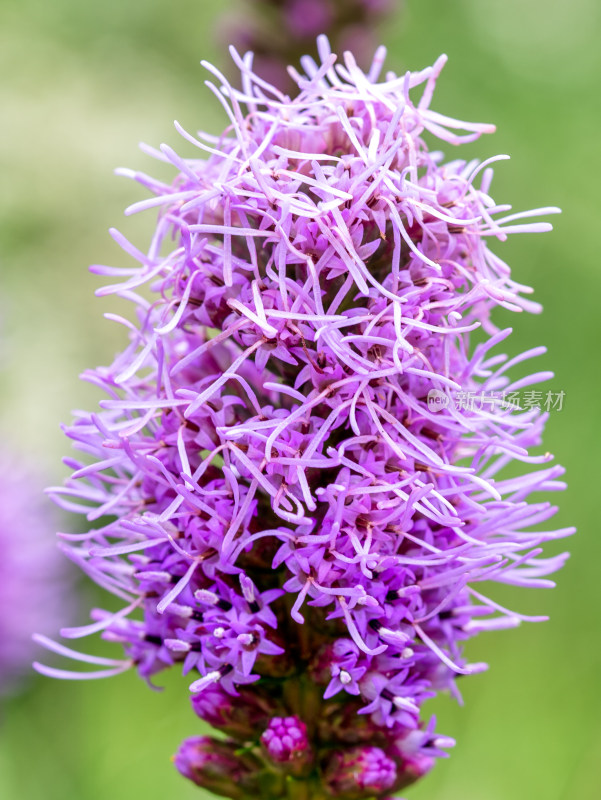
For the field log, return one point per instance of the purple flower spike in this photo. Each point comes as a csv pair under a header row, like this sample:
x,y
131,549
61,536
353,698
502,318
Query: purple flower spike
x,y
285,739
299,503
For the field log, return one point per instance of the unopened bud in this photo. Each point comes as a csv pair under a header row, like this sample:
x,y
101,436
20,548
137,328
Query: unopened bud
x,y
360,770
239,717
214,765
285,739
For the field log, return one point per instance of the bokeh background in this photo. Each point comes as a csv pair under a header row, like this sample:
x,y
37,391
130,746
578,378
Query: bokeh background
x,y
81,84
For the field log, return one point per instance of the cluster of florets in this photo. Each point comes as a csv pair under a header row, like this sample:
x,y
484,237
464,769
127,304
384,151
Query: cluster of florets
x,y
281,32
33,595
290,519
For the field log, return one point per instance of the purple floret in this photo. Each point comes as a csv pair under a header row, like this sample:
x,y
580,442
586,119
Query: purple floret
x,y
285,513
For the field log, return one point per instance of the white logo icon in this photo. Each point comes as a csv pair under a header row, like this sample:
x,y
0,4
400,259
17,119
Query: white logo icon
x,y
437,400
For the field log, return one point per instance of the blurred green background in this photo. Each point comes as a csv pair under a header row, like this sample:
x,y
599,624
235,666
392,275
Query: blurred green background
x,y
81,84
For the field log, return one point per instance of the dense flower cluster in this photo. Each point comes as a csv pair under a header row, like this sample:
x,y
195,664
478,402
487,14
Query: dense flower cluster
x,y
33,596
281,32
270,488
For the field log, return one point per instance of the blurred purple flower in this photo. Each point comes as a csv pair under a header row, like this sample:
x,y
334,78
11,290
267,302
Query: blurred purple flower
x,y
281,32
294,523
32,574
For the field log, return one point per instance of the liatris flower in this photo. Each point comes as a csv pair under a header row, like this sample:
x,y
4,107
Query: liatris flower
x,y
281,32
32,589
290,519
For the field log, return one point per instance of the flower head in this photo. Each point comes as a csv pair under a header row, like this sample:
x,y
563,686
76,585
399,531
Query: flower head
x,y
290,519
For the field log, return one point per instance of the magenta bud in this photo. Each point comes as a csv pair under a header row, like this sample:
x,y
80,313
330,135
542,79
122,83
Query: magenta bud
x,y
240,717
285,740
213,764
360,772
